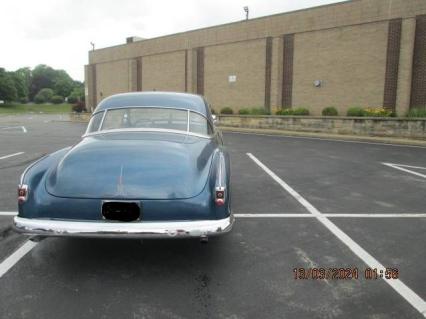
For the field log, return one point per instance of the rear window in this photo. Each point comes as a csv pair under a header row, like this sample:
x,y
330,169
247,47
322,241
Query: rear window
x,y
151,118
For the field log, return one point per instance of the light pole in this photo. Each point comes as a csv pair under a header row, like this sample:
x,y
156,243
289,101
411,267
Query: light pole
x,y
93,46
246,9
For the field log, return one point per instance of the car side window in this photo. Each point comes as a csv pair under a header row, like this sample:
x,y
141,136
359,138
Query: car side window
x,y
95,121
198,124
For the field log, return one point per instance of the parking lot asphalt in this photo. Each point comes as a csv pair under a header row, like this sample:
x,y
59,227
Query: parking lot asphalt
x,y
249,272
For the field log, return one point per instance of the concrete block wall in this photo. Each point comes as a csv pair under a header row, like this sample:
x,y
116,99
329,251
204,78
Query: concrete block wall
x,y
363,52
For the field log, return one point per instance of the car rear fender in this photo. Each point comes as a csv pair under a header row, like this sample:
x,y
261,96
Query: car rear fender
x,y
34,173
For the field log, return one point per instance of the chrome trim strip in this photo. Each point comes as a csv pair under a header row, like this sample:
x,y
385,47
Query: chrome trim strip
x,y
163,229
187,121
147,130
221,172
102,121
220,184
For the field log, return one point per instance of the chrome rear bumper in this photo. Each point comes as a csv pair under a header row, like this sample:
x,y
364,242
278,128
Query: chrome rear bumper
x,y
163,229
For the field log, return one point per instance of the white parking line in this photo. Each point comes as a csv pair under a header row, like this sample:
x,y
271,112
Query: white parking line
x,y
410,166
401,168
14,127
325,139
324,215
10,261
11,155
415,300
8,213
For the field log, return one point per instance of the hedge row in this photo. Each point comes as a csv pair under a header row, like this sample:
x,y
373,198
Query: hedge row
x,y
328,111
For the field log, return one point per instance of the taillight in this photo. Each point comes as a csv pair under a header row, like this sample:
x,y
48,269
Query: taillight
x,y
220,196
22,193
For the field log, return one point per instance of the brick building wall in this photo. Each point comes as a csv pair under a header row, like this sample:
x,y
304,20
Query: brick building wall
x,y
246,61
349,61
111,78
164,72
362,52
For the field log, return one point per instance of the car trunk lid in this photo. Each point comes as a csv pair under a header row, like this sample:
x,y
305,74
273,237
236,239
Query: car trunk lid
x,y
133,166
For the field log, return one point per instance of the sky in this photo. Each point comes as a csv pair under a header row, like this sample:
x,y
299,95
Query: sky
x,y
58,32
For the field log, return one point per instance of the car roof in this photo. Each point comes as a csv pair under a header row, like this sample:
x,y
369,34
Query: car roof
x,y
192,102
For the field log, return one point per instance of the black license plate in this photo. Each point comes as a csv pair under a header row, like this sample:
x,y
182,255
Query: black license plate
x,y
121,211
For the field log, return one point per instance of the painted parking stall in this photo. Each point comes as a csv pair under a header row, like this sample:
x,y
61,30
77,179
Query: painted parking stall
x,y
414,299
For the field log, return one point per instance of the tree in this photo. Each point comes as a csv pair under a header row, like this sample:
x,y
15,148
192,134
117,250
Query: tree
x,y
24,84
77,94
20,85
43,76
63,87
80,87
22,78
8,91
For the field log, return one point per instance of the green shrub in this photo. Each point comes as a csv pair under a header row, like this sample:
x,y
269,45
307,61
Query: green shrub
x,y
417,112
259,111
300,111
254,111
244,111
284,112
72,99
355,111
23,100
57,99
329,111
39,99
226,110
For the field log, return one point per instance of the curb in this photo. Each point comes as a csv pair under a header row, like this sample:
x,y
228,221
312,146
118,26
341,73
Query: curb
x,y
354,138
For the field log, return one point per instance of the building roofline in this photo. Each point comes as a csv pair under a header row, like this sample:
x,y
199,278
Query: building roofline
x,y
341,2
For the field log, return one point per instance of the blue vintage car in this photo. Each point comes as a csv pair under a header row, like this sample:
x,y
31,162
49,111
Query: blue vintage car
x,y
150,165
